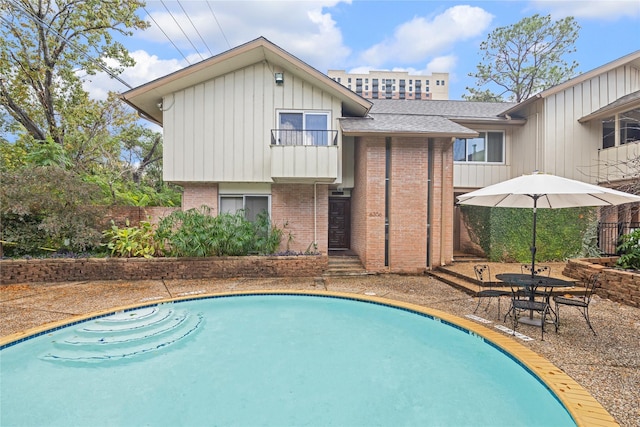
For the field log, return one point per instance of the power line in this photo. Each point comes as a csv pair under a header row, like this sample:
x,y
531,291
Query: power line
x,y
166,35
194,27
181,29
219,26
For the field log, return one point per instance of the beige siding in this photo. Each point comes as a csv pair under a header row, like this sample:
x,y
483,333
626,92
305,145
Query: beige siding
x,y
220,130
613,163
553,141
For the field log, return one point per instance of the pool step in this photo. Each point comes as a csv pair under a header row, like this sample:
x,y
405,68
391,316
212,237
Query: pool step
x,y
125,335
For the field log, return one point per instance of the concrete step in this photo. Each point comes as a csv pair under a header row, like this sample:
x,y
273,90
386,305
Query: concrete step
x,y
345,266
471,286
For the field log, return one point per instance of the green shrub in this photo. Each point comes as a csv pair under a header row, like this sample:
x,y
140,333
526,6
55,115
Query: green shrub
x,y
506,234
629,250
195,233
45,209
131,241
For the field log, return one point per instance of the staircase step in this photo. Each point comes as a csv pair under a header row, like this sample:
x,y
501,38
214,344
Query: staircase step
x,y
124,335
345,266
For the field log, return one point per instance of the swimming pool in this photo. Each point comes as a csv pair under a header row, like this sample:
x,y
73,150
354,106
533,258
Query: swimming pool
x,y
269,360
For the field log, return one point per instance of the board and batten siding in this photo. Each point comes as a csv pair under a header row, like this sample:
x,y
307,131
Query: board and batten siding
x,y
566,147
220,130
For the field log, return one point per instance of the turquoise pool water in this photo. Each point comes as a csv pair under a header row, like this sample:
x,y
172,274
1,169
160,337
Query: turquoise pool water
x,y
272,360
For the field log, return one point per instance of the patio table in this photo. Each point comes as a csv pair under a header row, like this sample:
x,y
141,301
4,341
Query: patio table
x,y
529,284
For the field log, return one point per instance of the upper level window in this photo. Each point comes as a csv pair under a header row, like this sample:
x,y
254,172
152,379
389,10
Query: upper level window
x,y
304,128
488,147
623,128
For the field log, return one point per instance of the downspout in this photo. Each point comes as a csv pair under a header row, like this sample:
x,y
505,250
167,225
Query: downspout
x,y
430,157
315,214
442,211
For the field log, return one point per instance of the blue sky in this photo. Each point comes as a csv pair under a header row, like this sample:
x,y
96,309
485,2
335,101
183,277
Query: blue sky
x,y
418,36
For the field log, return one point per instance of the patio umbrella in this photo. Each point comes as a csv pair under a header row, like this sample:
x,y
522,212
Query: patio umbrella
x,y
544,191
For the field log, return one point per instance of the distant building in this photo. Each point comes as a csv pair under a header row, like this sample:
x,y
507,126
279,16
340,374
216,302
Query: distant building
x,y
394,84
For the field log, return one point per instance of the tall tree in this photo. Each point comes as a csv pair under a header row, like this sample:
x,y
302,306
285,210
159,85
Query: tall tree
x,y
525,58
45,45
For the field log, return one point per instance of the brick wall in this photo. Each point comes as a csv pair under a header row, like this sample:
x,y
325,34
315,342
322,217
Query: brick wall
x,y
368,203
64,270
196,195
306,219
408,205
443,204
616,285
135,214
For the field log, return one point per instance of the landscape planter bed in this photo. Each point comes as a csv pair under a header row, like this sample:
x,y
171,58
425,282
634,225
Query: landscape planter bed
x,y
65,270
617,285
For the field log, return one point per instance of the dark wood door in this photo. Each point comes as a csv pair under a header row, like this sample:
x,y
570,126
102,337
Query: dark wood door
x,y
339,223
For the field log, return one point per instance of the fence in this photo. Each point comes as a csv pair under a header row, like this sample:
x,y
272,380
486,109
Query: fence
x,y
609,234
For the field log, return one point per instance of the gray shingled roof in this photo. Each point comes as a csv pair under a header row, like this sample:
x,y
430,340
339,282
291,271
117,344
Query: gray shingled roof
x,y
446,108
405,123
435,118
629,99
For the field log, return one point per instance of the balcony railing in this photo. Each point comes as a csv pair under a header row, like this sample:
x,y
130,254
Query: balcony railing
x,y
304,137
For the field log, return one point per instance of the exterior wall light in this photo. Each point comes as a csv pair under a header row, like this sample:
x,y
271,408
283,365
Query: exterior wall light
x,y
279,78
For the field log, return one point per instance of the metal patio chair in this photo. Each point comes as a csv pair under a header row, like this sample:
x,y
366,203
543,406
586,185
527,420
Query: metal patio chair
x,y
521,302
486,287
581,302
539,270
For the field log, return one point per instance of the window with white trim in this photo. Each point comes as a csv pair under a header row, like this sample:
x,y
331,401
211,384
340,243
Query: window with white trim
x,y
487,147
304,127
621,129
252,205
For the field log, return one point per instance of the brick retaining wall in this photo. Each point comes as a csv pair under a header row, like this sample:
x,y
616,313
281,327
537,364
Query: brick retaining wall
x,y
617,285
64,270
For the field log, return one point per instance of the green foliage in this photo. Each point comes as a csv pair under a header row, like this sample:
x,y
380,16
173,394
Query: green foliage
x,y
506,234
41,88
590,247
525,58
629,250
195,233
131,241
46,209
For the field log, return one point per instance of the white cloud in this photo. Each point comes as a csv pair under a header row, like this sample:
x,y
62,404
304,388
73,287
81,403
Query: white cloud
x,y
148,67
442,64
300,27
421,37
589,9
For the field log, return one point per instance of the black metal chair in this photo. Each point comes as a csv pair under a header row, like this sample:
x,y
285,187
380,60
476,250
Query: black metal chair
x,y
581,302
521,302
539,270
486,290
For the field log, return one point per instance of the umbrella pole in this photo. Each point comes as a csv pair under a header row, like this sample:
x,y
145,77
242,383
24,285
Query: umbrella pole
x,y
533,244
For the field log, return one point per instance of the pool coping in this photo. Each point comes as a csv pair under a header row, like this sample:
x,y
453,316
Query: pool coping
x,y
582,407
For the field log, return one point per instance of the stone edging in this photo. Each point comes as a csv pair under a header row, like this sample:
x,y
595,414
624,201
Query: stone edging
x,y
616,285
65,270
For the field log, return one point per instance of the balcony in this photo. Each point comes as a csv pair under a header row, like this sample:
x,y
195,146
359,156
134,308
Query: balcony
x,y
304,156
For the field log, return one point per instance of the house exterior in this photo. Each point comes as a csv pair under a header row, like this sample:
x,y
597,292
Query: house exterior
x,y
255,128
587,129
394,84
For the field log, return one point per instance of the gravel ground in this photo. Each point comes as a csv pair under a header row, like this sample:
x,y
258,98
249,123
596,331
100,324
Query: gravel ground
x,y
607,365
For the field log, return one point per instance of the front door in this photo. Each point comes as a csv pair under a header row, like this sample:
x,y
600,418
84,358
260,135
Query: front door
x,y
339,223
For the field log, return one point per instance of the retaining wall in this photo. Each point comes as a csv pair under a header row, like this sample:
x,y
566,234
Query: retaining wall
x,y
65,270
616,285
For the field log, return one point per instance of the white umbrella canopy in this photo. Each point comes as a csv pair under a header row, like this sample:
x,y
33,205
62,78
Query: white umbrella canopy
x,y
544,191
